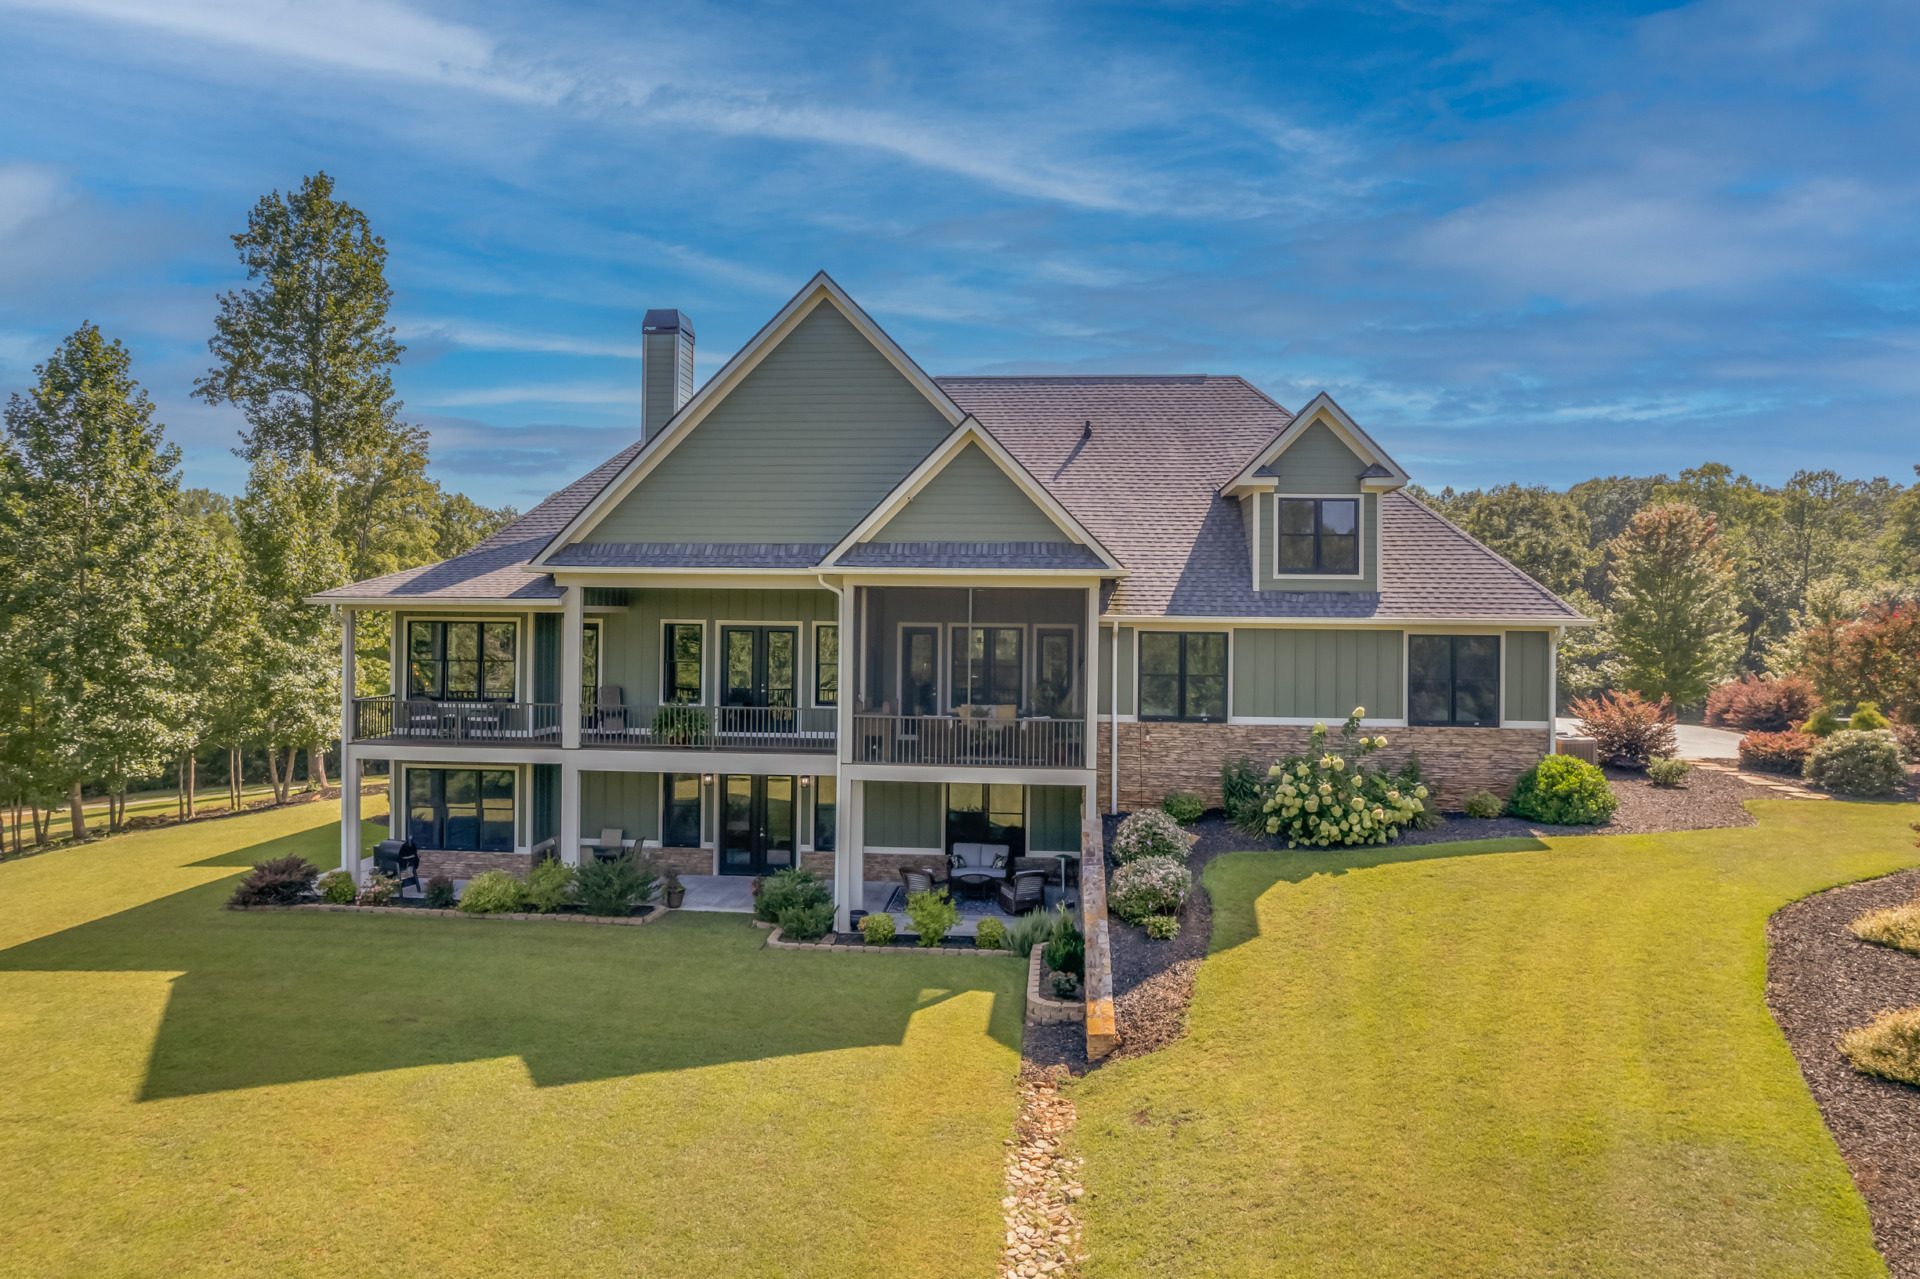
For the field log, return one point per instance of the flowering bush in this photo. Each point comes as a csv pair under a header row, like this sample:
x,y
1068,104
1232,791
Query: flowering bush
x,y
1328,797
1866,764
1759,703
1148,833
1784,752
378,890
1629,729
1149,886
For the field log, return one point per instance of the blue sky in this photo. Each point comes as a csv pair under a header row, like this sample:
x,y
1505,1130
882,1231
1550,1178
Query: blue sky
x,y
1516,241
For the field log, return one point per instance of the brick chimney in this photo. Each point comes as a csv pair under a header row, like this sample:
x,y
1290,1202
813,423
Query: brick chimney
x,y
666,368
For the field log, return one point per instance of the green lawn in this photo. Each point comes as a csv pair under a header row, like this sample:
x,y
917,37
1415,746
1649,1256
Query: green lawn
x,y
1511,1058
189,1090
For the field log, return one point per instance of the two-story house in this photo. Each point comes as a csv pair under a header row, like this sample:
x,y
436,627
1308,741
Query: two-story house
x,y
828,610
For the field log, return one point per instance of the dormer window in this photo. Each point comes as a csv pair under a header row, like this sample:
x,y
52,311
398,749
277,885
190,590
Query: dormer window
x,y
1318,535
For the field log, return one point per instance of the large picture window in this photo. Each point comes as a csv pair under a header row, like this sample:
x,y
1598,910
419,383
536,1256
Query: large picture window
x,y
680,815
680,679
1453,680
468,810
1183,675
826,665
461,661
987,665
1318,535
995,814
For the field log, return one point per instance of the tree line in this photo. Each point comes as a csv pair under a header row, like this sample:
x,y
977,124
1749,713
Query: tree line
x,y
144,624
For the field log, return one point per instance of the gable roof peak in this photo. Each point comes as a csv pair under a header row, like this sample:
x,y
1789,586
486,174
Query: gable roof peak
x,y
1382,473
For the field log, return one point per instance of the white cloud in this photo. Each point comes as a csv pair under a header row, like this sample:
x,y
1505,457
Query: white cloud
x,y
484,337
575,392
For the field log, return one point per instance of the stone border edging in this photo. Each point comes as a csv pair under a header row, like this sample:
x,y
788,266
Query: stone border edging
x,y
775,939
632,921
1103,1034
1043,1009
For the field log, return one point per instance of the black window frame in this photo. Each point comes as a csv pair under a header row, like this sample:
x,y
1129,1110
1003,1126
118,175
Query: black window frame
x,y
1183,677
673,809
1319,537
590,670
436,661
826,674
435,831
960,664
1452,645
1041,634
671,687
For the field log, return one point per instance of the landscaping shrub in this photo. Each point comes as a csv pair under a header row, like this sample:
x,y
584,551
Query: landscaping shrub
x,y
1563,791
1866,718
1411,779
337,888
378,890
439,892
1760,703
1329,796
991,935
679,725
279,881
1821,723
806,922
1485,805
1630,729
789,888
1149,833
549,886
877,930
1065,985
1240,791
1784,752
1029,930
1150,886
1162,927
1184,807
1897,926
1888,1046
1864,764
614,887
1065,949
933,914
493,892
1668,772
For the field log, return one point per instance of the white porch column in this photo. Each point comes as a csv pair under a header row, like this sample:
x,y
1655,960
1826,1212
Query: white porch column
x,y
349,765
570,806
849,646
571,665
1553,691
1090,680
849,879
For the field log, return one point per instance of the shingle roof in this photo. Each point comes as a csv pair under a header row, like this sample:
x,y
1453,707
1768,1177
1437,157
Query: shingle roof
x,y
690,554
1008,555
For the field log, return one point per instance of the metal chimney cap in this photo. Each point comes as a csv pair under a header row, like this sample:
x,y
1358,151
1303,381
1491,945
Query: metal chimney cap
x,y
667,320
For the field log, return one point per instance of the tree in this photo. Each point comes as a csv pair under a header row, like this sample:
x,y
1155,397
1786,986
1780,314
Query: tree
x,y
1544,533
1674,623
1609,503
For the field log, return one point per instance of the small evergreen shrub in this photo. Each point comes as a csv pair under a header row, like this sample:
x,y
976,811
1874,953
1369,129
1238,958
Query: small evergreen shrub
x,y
279,881
933,914
1150,886
549,886
614,887
1822,723
1897,926
1629,729
991,935
1865,764
1240,791
1759,703
1866,718
1330,796
1162,927
808,922
1784,752
1668,772
439,892
1563,791
1065,949
1184,807
378,890
337,888
877,930
1484,805
1888,1046
788,888
493,892
1148,833
1029,930
1065,985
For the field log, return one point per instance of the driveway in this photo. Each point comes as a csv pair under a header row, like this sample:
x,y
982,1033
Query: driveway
x,y
1697,741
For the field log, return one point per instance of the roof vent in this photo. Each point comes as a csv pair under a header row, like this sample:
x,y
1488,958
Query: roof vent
x,y
666,368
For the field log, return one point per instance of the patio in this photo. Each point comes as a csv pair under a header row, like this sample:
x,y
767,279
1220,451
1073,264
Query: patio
x,y
734,894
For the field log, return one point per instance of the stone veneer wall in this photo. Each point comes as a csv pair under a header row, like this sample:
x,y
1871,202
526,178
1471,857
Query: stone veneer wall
x,y
1156,758
820,864
467,865
684,861
887,866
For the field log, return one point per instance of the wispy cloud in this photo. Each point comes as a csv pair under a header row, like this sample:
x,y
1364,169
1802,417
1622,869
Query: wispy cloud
x,y
566,392
483,337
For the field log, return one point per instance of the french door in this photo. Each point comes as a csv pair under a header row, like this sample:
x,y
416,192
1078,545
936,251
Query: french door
x,y
756,824
920,671
760,678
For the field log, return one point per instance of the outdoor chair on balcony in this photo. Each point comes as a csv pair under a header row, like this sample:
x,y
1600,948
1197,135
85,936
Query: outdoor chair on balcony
x,y
610,709
1026,891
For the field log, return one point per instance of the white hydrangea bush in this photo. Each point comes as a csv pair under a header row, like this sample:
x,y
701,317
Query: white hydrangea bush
x,y
1329,798
1149,886
1148,833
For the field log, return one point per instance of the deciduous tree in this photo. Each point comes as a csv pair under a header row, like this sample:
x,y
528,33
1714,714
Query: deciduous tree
x,y
1674,622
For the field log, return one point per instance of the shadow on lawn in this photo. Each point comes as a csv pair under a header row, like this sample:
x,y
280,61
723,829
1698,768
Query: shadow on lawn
x,y
1235,919
281,997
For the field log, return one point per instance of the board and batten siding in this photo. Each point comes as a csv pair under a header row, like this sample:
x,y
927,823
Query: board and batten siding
x,y
800,450
631,637
905,815
1317,462
629,801
1053,819
1317,674
1125,667
970,500
1525,697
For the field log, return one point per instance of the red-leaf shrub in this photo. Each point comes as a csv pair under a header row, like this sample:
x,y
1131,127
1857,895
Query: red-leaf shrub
x,y
1757,703
1876,655
1630,729
1784,752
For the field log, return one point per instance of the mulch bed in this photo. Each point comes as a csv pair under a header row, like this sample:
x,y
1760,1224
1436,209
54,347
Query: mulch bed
x,y
1821,982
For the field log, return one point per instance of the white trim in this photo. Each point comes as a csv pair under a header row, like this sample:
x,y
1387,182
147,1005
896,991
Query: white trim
x,y
944,773
812,641
428,604
522,798
660,812
900,630
1076,708
821,289
720,626
905,852
1406,677
1321,408
1359,532
1184,630
1254,500
660,675
1519,723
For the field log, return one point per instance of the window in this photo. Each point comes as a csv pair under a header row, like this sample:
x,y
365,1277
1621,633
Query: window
x,y
680,821
1453,679
680,679
986,665
590,664
1318,535
1053,667
826,665
467,810
825,796
1183,676
987,814
461,661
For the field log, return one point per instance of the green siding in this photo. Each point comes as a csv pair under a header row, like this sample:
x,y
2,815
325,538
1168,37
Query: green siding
x,y
803,447
1318,462
904,815
888,608
1526,691
1126,671
970,500
1323,674
630,801
546,657
1053,819
630,639
1369,579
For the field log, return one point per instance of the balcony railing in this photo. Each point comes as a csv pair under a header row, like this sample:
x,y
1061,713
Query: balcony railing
x,y
948,739
712,728
419,719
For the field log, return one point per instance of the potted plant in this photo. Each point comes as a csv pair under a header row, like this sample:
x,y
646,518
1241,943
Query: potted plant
x,y
672,891
680,725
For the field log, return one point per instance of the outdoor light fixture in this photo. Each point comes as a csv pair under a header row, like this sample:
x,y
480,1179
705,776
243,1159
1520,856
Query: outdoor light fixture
x,y
805,781
706,779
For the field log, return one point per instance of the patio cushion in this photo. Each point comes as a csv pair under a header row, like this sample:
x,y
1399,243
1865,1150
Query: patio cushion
x,y
971,857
